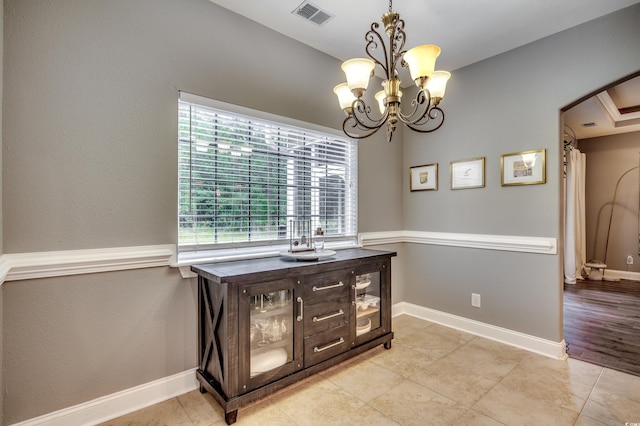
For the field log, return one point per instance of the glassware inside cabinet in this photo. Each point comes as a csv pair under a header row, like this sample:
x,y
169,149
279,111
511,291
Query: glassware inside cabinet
x,y
271,331
367,290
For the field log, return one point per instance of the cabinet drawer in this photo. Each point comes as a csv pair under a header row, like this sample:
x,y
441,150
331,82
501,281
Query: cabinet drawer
x,y
324,316
325,345
326,287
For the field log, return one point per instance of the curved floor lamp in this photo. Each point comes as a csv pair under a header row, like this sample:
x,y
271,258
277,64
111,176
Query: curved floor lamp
x,y
613,204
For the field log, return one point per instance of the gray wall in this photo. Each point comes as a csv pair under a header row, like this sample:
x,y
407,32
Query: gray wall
x,y
90,161
506,104
73,339
380,178
608,158
102,78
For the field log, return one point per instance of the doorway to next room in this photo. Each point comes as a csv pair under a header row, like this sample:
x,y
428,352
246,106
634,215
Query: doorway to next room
x,y
602,205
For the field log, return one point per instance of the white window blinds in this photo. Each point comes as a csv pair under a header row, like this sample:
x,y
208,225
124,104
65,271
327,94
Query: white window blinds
x,y
242,178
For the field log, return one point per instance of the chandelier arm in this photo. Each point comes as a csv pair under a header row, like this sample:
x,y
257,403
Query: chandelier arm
x,y
347,126
374,41
359,124
427,130
423,114
435,115
420,104
362,118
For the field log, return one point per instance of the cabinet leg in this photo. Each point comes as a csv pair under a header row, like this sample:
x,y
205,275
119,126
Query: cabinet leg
x,y
387,345
202,389
231,417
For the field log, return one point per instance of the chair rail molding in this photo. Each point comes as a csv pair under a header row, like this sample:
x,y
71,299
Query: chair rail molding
x,y
539,245
4,269
24,266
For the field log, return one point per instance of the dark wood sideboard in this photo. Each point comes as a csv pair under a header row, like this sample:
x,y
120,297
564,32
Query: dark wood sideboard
x,y
264,324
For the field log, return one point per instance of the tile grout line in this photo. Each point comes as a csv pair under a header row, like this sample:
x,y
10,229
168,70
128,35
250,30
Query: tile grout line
x,y
471,408
369,403
493,387
184,409
590,393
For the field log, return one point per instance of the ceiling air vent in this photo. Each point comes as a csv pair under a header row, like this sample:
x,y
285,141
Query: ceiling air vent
x,y
312,13
591,124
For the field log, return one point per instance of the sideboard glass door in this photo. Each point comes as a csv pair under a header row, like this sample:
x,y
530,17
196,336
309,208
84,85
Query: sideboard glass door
x,y
269,341
367,297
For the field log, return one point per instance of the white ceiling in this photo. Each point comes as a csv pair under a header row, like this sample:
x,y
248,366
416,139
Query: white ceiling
x,y
605,114
468,31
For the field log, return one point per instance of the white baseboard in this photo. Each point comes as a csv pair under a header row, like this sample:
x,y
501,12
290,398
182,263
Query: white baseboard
x,y
556,350
130,400
119,403
621,275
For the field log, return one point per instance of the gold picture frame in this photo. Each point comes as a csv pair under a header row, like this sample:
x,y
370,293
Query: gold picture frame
x,y
467,174
423,178
523,168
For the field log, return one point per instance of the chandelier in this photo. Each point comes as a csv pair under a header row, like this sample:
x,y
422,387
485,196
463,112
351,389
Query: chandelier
x,y
424,114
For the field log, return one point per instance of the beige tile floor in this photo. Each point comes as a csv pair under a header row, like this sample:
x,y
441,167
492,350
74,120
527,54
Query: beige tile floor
x,y
433,375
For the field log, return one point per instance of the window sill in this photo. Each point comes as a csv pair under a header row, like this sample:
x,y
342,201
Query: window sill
x,y
187,259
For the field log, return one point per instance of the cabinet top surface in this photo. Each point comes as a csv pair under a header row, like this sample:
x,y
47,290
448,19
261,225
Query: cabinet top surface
x,y
225,271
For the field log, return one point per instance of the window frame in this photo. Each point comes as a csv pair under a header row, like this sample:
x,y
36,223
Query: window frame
x,y
249,249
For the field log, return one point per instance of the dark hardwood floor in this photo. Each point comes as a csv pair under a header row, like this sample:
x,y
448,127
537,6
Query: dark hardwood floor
x,y
602,323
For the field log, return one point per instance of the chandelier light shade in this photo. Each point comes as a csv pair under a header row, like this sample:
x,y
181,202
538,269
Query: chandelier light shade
x,y
346,98
437,84
358,72
422,62
423,114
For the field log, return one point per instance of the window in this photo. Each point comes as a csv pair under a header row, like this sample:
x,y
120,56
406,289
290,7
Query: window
x,y
243,177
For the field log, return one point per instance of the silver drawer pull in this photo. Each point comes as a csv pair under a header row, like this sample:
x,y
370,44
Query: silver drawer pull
x,y
329,346
299,299
326,317
340,284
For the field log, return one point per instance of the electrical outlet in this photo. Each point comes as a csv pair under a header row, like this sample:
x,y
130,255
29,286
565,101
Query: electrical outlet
x,y
629,260
475,300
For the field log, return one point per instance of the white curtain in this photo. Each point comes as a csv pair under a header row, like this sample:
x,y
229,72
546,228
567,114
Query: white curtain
x,y
575,247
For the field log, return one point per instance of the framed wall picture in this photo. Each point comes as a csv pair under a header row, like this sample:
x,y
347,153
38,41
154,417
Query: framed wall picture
x,y
467,174
523,168
424,178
